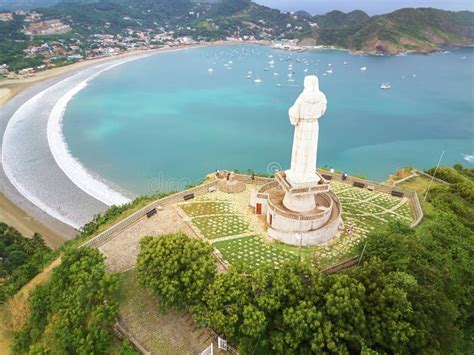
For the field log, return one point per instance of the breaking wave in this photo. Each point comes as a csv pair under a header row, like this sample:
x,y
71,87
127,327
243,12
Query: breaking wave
x,y
72,167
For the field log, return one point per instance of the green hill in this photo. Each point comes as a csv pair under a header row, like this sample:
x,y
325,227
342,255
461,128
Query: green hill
x,y
420,30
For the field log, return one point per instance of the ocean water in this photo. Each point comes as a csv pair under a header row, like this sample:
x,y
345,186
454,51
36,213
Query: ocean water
x,y
164,121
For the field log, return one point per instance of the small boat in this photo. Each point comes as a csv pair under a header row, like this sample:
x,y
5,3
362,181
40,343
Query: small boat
x,y
345,63
248,77
291,80
210,70
276,74
279,85
414,75
258,81
329,71
265,69
386,86
329,65
271,62
363,68
306,70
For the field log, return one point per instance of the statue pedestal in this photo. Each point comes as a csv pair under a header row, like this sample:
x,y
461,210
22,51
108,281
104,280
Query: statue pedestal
x,y
300,216
300,203
302,182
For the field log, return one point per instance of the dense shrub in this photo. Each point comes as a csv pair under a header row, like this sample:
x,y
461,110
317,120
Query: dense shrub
x,y
176,269
74,312
21,259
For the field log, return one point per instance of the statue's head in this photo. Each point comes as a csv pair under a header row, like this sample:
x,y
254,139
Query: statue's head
x,y
311,83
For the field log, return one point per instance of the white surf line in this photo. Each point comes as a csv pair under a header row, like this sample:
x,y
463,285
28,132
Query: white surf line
x,y
100,191
22,189
72,167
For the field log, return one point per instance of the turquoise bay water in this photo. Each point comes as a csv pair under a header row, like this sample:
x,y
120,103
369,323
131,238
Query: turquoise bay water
x,y
163,121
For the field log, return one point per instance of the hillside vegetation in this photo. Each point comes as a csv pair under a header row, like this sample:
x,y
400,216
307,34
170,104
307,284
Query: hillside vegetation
x,y
420,30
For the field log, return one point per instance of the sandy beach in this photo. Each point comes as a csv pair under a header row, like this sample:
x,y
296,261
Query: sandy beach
x,y
14,214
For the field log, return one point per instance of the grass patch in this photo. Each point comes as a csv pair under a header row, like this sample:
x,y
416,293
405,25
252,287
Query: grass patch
x,y
253,251
420,185
207,208
6,333
138,313
219,226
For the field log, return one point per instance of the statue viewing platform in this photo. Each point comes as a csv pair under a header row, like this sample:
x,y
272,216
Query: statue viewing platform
x,y
299,205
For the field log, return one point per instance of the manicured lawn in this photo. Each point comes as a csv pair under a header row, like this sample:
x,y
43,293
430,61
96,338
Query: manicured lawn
x,y
386,201
207,208
253,251
362,209
219,226
356,193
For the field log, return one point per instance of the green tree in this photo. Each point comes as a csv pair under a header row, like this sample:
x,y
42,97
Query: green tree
x,y
74,312
386,306
21,258
176,269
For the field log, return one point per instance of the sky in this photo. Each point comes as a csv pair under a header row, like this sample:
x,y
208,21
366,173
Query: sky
x,y
372,7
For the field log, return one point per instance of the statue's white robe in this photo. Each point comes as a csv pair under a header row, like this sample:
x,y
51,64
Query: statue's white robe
x,y
304,115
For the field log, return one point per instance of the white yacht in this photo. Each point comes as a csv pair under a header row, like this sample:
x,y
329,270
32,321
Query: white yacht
x,y
386,86
363,68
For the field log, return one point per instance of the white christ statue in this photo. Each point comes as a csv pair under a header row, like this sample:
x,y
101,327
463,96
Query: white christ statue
x,y
304,115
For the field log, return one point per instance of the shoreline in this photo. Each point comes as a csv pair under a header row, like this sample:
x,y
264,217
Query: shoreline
x,y
12,210
13,87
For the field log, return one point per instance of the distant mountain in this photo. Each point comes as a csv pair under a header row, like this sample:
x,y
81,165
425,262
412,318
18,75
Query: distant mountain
x,y
339,19
303,14
420,30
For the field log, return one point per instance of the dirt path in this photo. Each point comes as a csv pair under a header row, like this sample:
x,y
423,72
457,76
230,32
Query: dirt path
x,y
14,314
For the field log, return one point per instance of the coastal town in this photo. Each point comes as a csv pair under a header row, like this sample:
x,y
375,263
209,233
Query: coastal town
x,y
54,43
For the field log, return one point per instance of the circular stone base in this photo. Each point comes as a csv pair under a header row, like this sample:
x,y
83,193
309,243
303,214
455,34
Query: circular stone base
x,y
314,227
231,187
311,238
